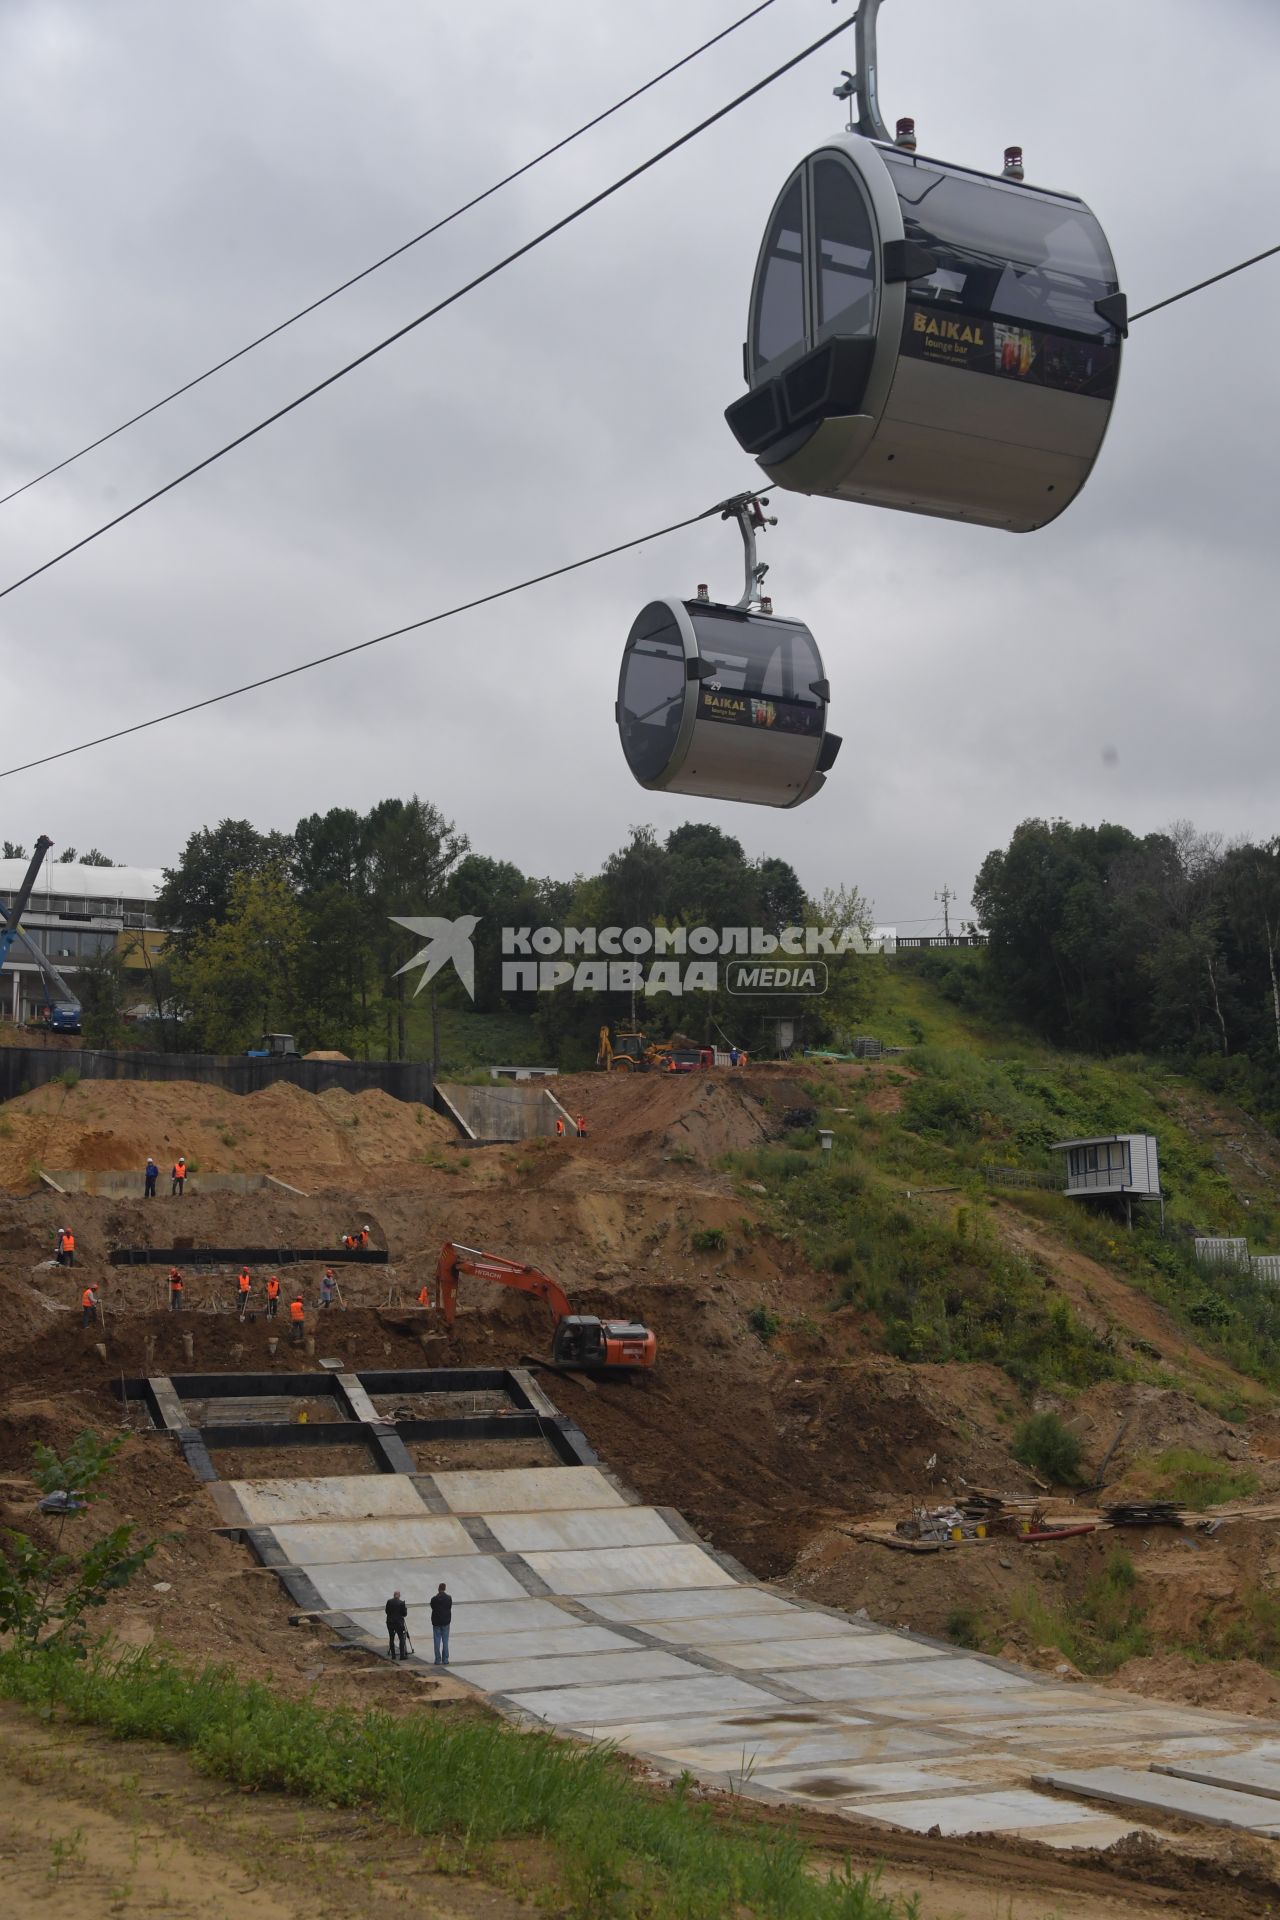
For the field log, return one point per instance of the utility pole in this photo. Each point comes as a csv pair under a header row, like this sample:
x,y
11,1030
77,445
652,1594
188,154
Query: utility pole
x,y
946,897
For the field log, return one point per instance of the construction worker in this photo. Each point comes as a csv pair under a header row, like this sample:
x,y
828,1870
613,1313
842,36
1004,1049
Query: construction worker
x,y
364,1235
424,1294
581,1125
179,1176
243,1285
66,1247
151,1175
89,1305
559,1128
297,1320
326,1287
175,1290
273,1296
349,1242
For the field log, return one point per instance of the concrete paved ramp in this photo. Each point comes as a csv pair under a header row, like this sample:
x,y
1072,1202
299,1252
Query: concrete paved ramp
x,y
575,1606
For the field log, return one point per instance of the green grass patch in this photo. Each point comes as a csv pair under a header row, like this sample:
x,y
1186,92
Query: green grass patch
x,y
1197,1480
624,1851
1101,1630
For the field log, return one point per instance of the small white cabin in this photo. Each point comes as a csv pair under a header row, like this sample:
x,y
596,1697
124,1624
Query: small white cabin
x,y
1125,1164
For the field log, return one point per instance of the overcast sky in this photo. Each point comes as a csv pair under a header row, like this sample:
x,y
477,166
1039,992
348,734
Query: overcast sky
x,y
177,177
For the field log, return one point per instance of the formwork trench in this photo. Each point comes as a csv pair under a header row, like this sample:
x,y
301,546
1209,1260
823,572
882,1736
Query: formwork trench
x,y
579,1608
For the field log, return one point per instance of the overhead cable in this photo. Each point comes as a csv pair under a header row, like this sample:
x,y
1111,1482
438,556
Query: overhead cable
x,y
501,593
361,646
404,247
479,280
1212,281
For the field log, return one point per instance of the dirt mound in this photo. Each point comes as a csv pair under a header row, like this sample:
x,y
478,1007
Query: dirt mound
x,y
303,1138
651,1114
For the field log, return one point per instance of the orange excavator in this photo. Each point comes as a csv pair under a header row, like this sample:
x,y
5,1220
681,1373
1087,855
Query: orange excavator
x,y
581,1342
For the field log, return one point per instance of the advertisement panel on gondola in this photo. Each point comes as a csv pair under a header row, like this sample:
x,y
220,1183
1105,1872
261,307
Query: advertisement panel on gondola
x,y
1010,351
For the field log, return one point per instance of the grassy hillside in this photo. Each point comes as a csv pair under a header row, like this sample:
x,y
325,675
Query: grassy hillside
x,y
954,1268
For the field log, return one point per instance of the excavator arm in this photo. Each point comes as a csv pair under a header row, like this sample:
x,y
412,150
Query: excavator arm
x,y
455,1260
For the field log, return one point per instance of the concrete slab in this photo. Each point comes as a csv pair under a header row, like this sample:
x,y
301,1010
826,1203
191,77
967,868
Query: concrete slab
x,y
914,1686
503,1623
526,1490
787,1624
1020,1722
568,1638
269,1503
571,1671
597,1528
1244,1772
429,1537
710,1602
370,1586
588,1707
776,1650
627,1569
1005,1810
767,1753
864,1781
1155,1793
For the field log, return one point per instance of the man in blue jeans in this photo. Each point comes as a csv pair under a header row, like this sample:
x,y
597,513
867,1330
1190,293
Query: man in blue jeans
x,y
441,1615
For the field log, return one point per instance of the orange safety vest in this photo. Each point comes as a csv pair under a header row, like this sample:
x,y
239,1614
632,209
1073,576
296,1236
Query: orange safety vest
x,y
68,1243
560,1129
364,1237
244,1283
349,1241
175,1283
87,1299
295,1310
179,1169
273,1288
582,1128
424,1298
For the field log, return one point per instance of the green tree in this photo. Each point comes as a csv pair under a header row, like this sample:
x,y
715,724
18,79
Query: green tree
x,y
241,978
95,858
197,893
47,1590
101,989
412,849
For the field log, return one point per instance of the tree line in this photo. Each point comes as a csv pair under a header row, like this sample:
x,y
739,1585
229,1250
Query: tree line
x,y
295,932
1104,939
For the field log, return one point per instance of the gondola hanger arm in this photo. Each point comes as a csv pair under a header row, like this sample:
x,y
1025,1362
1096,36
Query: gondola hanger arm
x,y
748,510
863,86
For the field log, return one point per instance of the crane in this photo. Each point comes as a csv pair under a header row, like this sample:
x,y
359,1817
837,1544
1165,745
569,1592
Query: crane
x,y
580,1341
64,1008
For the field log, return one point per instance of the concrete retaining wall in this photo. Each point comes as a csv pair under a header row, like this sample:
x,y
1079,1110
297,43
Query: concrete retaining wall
x,y
501,1111
22,1068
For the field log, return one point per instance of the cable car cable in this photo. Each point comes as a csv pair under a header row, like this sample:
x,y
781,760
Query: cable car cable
x,y
500,593
1212,281
361,646
507,179
410,326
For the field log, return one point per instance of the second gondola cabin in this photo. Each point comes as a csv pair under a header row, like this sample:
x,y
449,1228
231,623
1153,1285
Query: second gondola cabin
x,y
931,338
724,702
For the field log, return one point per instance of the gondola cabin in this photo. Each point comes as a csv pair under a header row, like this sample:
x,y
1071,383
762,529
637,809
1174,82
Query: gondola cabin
x,y
927,337
724,702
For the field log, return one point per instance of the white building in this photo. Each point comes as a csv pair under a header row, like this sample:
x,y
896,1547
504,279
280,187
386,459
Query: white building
x,y
1123,1165
74,913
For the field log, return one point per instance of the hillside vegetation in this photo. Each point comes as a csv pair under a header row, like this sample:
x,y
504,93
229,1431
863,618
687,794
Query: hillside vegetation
x,y
954,1267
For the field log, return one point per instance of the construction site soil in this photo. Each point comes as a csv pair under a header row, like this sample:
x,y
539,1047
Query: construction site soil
x,y
774,1447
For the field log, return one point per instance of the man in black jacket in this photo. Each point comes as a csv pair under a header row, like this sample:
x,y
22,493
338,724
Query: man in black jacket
x,y
441,1615
397,1616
